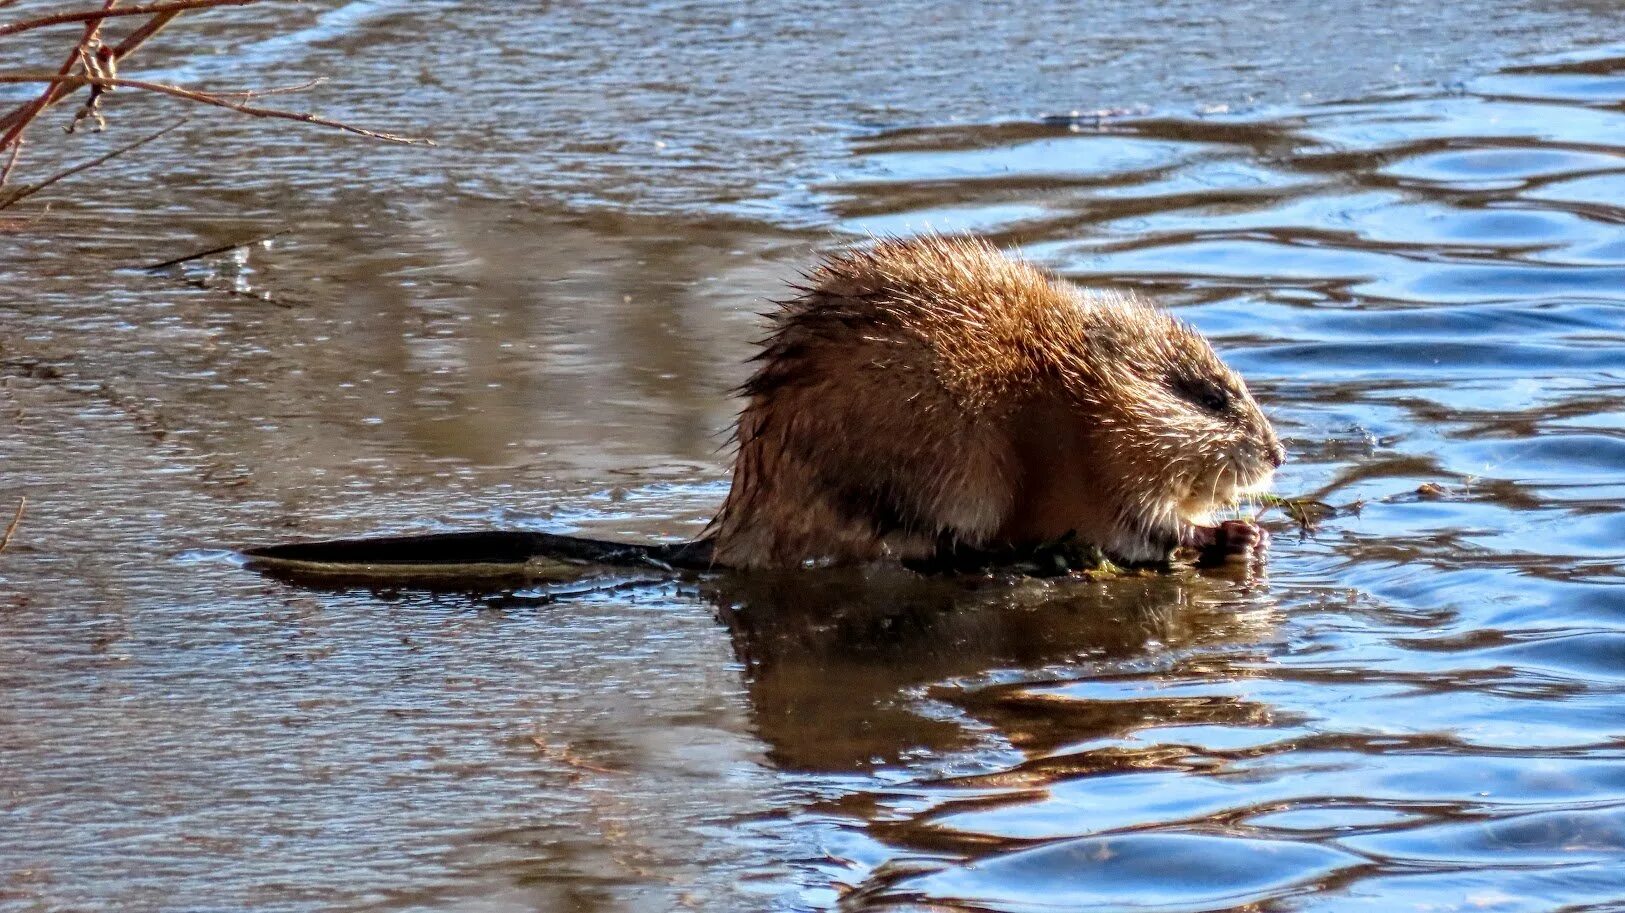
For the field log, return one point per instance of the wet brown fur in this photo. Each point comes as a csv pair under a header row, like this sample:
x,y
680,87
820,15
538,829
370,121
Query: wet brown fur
x,y
926,393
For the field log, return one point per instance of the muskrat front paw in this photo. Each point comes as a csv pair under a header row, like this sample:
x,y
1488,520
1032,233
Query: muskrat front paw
x,y
1233,541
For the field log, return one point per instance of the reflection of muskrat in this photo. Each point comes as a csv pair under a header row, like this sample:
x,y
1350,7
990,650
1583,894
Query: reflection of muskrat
x,y
933,393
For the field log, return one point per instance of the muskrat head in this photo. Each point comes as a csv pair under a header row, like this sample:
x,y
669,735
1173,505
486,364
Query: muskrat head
x,y
1181,434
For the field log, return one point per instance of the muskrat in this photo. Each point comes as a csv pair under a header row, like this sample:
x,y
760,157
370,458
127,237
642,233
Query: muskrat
x,y
933,394
920,400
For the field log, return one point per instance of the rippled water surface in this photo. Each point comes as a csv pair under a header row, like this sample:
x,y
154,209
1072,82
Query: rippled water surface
x,y
1404,224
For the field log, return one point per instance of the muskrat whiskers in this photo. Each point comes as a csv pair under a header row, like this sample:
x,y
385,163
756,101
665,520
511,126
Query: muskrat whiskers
x,y
1213,496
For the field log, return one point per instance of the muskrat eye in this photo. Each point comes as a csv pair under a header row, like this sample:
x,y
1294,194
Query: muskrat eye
x,y
1203,392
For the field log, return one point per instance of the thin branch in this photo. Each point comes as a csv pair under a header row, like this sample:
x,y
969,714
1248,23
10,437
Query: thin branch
x,y
95,64
57,92
25,115
12,529
11,162
208,98
8,200
212,251
172,6
148,29
274,90
248,94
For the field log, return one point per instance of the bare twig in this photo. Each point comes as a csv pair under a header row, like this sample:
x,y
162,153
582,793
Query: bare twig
x,y
96,59
11,161
209,98
12,528
25,115
8,200
274,90
95,65
27,112
146,9
212,251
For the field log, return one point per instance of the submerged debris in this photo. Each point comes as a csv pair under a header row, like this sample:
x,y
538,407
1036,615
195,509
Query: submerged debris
x,y
11,529
1308,513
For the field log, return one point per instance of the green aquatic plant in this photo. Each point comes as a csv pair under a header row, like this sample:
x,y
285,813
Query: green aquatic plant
x,y
1308,513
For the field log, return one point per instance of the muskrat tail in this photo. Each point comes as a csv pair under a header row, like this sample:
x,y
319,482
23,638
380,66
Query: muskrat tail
x,y
468,560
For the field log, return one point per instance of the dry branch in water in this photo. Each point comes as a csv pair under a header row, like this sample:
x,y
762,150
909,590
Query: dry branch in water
x,y
11,530
188,258
94,64
22,193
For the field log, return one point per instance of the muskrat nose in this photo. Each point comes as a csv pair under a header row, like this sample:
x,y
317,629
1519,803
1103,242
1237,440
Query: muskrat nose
x,y
1277,455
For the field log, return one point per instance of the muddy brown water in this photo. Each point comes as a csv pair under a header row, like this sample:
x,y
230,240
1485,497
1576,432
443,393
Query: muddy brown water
x,y
1402,222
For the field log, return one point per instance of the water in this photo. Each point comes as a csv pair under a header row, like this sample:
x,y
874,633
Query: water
x,y
1403,225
